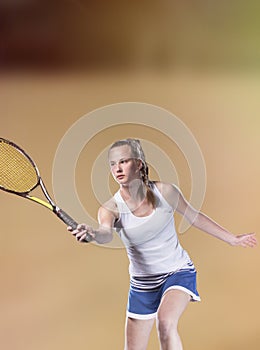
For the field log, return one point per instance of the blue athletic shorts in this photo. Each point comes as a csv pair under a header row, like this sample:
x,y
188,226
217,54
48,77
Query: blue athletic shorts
x,y
146,293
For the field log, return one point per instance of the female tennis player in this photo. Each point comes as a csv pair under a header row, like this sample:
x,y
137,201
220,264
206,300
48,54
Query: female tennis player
x,y
162,275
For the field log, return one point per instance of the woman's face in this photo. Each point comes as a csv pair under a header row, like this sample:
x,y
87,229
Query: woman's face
x,y
123,166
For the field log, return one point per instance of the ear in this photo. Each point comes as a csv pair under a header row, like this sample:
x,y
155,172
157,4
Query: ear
x,y
139,164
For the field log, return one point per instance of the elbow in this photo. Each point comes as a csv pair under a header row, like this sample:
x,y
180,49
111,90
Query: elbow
x,y
199,221
194,219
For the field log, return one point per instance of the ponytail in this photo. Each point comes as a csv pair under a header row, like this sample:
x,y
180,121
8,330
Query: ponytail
x,y
149,193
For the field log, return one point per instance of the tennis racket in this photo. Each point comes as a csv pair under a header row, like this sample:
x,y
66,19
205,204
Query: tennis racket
x,y
19,175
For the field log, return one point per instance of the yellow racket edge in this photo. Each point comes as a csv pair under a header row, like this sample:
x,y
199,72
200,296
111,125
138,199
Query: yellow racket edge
x,y
40,201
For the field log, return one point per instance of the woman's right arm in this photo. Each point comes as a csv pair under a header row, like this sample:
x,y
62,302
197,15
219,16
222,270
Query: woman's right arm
x,y
104,233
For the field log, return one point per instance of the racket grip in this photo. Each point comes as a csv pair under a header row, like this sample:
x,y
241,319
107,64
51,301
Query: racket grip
x,y
67,219
70,222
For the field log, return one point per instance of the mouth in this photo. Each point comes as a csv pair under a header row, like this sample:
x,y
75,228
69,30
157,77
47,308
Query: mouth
x,y
120,177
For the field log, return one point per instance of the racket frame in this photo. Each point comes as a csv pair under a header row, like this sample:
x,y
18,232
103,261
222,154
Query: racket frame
x,y
50,204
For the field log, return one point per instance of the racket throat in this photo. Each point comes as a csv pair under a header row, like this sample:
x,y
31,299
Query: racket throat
x,y
43,203
44,190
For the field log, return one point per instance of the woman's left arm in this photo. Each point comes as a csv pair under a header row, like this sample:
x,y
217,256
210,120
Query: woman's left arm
x,y
204,223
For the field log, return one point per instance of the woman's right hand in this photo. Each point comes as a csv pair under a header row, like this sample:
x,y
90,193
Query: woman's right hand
x,y
83,233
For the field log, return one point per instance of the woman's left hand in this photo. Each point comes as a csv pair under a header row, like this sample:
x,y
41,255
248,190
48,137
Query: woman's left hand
x,y
245,240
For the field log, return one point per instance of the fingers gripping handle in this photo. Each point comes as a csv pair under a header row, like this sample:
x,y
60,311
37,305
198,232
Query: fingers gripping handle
x,y
70,222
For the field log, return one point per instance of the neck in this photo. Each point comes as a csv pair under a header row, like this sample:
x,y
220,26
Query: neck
x,y
135,191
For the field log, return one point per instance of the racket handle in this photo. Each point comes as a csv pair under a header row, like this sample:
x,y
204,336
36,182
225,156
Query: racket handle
x,y
70,222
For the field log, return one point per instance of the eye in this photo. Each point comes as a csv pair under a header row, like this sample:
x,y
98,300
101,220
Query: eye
x,y
125,161
121,162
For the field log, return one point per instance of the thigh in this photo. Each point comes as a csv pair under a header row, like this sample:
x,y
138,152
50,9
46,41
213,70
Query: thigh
x,y
137,333
173,304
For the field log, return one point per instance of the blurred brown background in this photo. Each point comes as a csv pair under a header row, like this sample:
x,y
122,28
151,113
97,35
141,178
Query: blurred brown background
x,y
62,59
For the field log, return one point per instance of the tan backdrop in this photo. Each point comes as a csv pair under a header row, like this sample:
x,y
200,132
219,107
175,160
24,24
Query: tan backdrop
x,y
200,63
57,294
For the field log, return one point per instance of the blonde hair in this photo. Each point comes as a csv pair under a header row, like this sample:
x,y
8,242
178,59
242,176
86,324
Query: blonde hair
x,y
138,153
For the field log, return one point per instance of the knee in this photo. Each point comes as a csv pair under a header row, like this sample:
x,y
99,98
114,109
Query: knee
x,y
167,328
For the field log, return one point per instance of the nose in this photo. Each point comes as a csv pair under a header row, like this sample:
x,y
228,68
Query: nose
x,y
118,167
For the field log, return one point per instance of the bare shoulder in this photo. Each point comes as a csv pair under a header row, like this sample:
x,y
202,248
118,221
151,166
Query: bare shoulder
x,y
167,188
109,208
170,192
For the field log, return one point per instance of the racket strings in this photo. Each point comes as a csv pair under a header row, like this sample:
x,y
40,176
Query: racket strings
x,y
17,173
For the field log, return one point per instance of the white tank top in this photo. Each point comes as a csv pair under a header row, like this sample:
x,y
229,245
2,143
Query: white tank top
x,y
152,243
